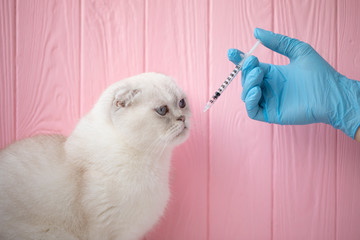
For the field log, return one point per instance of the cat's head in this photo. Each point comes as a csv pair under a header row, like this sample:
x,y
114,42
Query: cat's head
x,y
149,109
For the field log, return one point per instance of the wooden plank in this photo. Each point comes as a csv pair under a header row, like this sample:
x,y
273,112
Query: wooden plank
x,y
112,45
305,156
348,39
348,188
348,151
176,45
240,148
7,73
47,90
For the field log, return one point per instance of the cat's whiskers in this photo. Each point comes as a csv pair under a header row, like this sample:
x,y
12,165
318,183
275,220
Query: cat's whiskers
x,y
159,145
175,130
153,146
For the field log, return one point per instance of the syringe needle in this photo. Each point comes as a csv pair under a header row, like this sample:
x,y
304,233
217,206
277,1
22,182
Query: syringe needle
x,y
230,78
208,105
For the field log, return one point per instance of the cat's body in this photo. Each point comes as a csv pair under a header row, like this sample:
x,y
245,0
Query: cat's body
x,y
109,179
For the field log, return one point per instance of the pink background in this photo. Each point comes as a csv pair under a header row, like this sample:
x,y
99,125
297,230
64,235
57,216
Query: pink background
x,y
234,178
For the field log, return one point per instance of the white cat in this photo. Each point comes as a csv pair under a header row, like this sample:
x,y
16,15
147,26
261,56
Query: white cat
x,y
109,179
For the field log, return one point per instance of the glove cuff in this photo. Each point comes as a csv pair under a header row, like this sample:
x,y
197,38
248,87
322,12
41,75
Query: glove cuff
x,y
351,125
348,110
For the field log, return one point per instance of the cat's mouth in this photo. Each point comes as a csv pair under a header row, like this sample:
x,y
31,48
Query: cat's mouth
x,y
183,131
179,132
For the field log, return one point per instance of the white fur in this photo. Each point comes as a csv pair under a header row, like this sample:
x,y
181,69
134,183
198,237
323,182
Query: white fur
x,y
108,180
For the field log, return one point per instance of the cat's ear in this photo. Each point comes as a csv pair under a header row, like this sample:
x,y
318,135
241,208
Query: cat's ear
x,y
124,97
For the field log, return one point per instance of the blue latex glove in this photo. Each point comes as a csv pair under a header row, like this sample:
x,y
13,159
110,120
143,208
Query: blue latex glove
x,y
307,90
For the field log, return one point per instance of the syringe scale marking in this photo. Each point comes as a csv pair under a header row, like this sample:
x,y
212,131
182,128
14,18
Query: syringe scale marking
x,y
230,78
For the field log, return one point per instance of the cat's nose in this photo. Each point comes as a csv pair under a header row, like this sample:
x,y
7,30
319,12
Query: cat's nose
x,y
181,118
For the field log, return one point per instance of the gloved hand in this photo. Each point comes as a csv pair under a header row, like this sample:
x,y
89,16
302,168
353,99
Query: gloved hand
x,y
307,90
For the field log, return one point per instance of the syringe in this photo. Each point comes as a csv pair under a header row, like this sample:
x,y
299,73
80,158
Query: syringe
x,y
230,77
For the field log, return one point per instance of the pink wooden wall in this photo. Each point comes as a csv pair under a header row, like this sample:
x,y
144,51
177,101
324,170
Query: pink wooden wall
x,y
234,178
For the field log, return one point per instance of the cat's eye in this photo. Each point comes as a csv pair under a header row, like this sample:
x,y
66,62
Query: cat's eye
x,y
162,110
182,103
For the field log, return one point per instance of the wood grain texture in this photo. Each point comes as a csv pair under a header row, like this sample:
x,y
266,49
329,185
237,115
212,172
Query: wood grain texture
x,y
112,45
348,191
305,156
348,151
176,44
240,148
348,36
47,90
7,73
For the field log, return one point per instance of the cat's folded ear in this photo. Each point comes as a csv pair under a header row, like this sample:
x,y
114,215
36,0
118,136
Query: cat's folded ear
x,y
124,97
